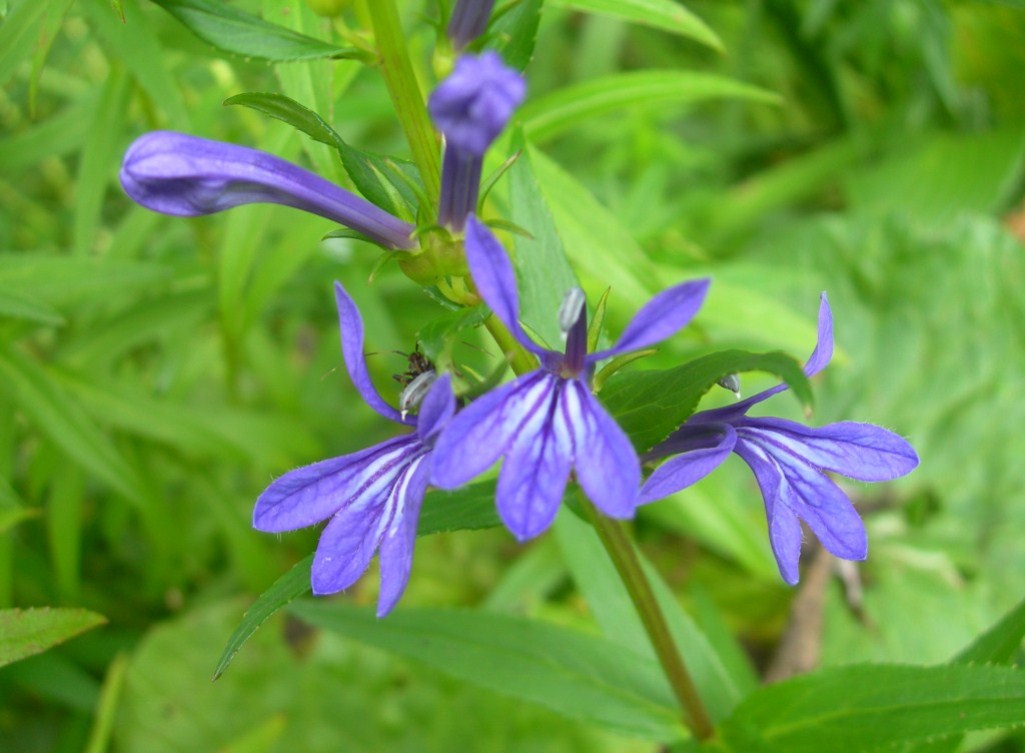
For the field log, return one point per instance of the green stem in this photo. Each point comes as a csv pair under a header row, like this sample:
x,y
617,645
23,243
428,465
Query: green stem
x,y
406,96
621,551
620,548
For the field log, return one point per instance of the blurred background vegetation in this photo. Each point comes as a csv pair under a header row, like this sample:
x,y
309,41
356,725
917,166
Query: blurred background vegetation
x,y
156,373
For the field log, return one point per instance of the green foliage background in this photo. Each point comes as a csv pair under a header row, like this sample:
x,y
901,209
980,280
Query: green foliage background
x,y
156,373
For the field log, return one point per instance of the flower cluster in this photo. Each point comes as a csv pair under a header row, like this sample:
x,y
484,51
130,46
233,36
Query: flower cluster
x,y
546,425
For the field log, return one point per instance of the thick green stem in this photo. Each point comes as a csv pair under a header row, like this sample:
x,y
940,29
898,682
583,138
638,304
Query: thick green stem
x,y
623,555
520,360
406,95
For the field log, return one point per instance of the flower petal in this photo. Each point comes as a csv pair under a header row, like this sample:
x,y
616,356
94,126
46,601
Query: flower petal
x,y
606,464
702,448
659,318
535,470
351,324
478,434
809,494
495,279
823,352
187,176
315,492
857,450
396,552
437,407
347,545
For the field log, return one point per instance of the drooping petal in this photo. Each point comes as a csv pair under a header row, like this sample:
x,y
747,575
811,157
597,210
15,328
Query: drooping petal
x,y
187,176
660,317
856,450
351,324
478,434
606,464
315,492
347,545
812,496
396,550
438,406
495,279
535,470
696,451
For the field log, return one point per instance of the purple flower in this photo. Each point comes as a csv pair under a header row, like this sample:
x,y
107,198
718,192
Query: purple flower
x,y
547,422
187,176
789,461
372,497
471,107
469,20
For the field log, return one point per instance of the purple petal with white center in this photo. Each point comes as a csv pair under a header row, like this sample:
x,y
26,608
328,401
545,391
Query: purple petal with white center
x,y
701,449
660,317
396,550
186,176
809,494
495,279
315,492
857,450
536,469
473,105
438,406
478,434
606,464
347,545
351,324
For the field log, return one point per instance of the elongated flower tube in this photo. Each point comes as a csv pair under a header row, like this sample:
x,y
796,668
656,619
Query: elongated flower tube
x,y
789,461
470,108
546,422
469,20
186,176
372,497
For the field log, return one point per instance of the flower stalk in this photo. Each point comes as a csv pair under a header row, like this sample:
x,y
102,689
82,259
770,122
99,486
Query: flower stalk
x,y
406,95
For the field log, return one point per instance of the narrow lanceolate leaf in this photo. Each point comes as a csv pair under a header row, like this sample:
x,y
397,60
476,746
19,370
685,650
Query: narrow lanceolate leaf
x,y
651,404
232,30
569,107
868,707
25,632
514,33
469,508
15,305
575,674
60,418
668,15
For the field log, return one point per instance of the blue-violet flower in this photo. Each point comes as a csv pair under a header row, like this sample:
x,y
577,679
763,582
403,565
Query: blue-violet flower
x,y
789,461
546,422
186,176
372,497
468,21
471,107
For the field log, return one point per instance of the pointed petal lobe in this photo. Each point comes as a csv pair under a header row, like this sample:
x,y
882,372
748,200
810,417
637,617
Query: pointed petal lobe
x,y
351,325
701,448
437,408
396,551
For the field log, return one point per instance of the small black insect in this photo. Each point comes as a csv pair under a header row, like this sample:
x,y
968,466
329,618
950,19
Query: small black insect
x,y
416,364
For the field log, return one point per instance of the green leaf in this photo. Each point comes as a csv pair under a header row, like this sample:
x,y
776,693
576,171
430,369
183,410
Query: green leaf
x,y
18,34
573,673
373,175
661,14
999,644
866,707
16,305
568,107
472,507
289,586
61,418
541,267
232,30
25,632
651,404
58,280
514,34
